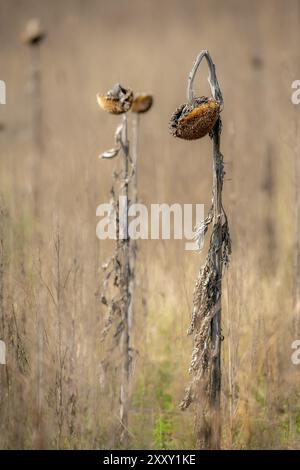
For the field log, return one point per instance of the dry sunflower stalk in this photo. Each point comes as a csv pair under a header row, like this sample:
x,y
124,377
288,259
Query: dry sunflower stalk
x,y
193,120
118,278
118,285
142,103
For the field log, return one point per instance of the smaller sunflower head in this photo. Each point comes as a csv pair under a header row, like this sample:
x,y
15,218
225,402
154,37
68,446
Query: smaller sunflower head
x,y
142,102
195,120
118,100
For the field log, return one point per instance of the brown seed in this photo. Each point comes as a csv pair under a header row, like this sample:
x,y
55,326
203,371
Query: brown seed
x,y
141,103
33,33
118,100
193,121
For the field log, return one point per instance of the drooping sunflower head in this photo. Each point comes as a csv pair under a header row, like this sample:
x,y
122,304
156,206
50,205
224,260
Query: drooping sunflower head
x,y
142,102
118,100
195,120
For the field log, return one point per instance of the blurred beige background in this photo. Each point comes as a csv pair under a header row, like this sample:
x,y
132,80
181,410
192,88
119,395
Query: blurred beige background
x,y
150,46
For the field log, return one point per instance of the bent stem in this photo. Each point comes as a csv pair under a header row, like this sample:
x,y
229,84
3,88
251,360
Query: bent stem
x,y
212,78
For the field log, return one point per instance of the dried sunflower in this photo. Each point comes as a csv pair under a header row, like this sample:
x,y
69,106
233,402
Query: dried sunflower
x,y
195,120
118,100
142,102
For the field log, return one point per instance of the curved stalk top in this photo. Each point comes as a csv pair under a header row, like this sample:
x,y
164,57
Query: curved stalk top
x,y
212,78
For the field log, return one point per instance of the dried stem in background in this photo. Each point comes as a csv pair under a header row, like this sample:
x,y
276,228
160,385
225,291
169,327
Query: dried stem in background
x,y
33,37
133,243
141,104
126,281
269,187
135,149
118,268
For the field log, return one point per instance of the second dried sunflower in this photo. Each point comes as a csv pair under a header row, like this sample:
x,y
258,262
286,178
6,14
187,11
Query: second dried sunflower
x,y
142,103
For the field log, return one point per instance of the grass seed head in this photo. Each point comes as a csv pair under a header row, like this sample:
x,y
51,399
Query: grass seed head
x,y
118,100
195,120
142,103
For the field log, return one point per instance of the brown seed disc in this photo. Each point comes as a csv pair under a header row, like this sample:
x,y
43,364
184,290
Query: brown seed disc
x,y
193,121
141,103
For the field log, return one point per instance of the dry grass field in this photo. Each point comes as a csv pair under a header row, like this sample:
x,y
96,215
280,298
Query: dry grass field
x,y
59,388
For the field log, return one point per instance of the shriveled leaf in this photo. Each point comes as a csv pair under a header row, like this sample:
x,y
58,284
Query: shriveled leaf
x,y
111,153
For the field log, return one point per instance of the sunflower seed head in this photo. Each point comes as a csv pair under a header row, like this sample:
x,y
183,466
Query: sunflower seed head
x,y
118,100
142,103
195,120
